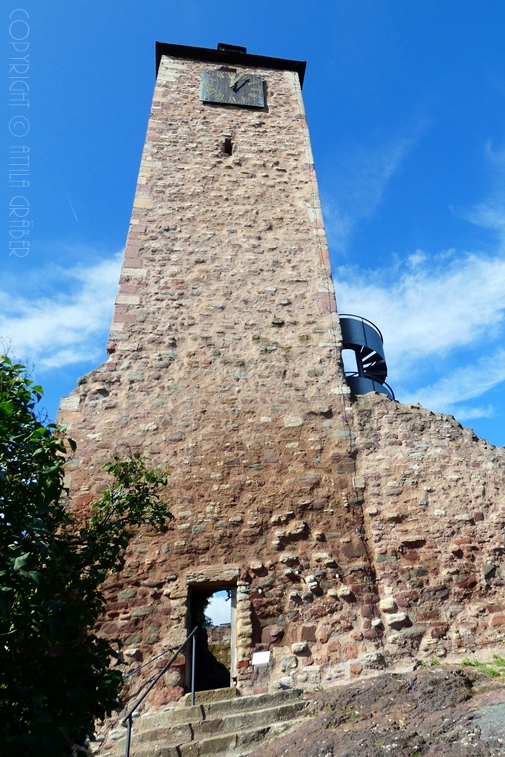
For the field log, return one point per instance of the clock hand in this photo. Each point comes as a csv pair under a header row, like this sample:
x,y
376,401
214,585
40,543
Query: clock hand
x,y
234,78
236,88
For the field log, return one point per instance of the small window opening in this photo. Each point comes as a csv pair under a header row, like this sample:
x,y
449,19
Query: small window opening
x,y
228,146
350,362
227,68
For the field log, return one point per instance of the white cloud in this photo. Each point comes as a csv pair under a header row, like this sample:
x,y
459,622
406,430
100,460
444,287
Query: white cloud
x,y
489,215
218,609
462,384
430,310
361,179
468,414
62,329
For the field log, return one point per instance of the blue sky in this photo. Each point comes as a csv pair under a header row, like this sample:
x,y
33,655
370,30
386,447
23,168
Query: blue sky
x,y
406,107
219,608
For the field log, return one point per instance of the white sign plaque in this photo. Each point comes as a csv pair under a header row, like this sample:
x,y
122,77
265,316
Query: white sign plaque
x,y
260,658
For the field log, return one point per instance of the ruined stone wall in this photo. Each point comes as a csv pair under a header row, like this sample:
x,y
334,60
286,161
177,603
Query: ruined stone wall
x,y
434,515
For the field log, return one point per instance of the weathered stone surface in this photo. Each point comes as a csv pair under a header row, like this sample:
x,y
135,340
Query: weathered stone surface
x,y
300,648
206,376
397,619
271,461
433,712
345,592
388,604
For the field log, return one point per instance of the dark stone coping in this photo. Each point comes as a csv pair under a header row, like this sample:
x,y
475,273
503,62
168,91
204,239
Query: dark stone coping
x,y
208,55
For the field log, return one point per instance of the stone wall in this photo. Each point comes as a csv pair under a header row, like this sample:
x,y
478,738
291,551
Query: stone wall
x,y
434,515
225,366
355,534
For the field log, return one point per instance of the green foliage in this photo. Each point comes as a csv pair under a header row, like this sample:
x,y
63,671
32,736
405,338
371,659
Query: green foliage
x,y
434,663
495,669
55,674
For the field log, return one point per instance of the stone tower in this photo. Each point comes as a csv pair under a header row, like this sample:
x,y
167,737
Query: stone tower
x,y
345,529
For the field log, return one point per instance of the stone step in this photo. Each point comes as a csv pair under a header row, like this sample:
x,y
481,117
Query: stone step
x,y
253,701
213,728
248,719
197,713
172,736
210,695
237,744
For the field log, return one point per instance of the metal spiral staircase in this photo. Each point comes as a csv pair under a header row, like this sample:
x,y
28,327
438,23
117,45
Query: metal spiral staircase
x,y
365,340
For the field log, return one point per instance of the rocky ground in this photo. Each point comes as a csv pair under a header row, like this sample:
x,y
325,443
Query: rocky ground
x,y
434,712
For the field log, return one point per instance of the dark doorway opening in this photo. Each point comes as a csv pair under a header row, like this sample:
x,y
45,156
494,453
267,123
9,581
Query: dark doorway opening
x,y
211,610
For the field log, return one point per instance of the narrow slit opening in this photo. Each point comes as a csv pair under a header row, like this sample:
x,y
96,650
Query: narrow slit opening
x,y
228,146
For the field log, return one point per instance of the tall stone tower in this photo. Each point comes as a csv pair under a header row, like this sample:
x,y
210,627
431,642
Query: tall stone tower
x,y
225,365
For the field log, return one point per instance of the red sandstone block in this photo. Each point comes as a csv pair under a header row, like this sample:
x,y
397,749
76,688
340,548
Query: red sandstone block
x,y
428,615
351,650
439,630
243,664
324,635
467,583
498,620
345,625
308,633
166,695
411,555
334,646
355,669
127,288
367,611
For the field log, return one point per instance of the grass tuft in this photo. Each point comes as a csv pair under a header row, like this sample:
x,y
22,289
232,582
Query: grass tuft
x,y
494,668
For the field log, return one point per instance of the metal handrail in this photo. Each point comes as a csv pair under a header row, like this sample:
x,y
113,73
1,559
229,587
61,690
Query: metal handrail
x,y
360,318
149,662
128,718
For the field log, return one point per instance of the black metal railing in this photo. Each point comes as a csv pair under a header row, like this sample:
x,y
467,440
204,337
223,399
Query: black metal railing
x,y
362,337
128,718
363,320
363,383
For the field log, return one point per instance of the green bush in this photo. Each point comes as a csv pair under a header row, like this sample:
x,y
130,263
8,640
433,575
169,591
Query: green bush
x,y
55,673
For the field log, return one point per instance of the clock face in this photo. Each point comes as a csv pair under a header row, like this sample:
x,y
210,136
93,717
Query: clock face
x,y
232,88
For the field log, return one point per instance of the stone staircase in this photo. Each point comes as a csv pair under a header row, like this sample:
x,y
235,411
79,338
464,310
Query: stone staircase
x,y
232,726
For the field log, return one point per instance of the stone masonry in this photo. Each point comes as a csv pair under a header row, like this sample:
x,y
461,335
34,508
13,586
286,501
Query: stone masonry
x,y
434,517
357,533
